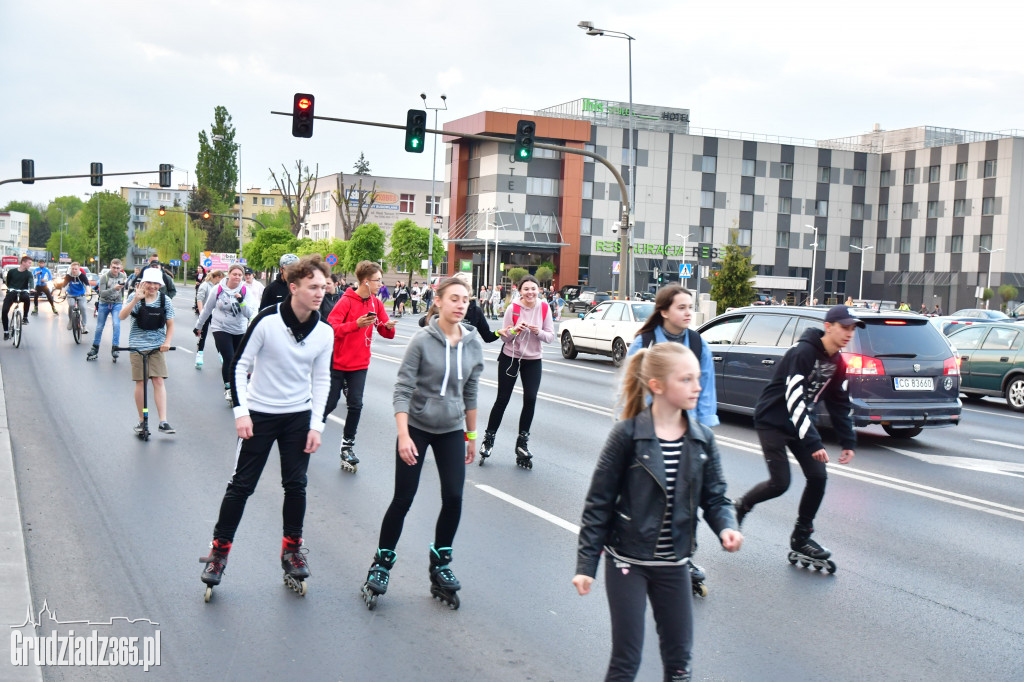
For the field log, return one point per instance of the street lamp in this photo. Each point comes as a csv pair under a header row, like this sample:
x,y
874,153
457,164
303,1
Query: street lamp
x,y
814,263
988,279
686,238
184,269
97,195
860,288
627,238
61,209
434,204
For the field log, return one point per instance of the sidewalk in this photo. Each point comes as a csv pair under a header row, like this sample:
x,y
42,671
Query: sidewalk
x,y
15,595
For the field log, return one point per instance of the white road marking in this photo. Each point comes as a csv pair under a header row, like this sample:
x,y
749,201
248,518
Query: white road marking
x,y
526,506
339,420
996,442
970,463
991,413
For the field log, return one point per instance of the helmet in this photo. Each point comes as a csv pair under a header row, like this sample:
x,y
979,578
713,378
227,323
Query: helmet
x,y
287,259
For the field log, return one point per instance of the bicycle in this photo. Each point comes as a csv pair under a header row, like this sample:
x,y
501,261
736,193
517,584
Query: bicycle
x,y
76,322
143,433
17,315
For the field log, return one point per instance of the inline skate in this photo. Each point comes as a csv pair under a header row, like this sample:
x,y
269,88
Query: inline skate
x,y
378,576
487,446
349,461
293,561
443,583
523,457
807,551
697,578
216,562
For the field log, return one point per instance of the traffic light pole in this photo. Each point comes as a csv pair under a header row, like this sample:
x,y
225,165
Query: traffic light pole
x,y
68,177
625,255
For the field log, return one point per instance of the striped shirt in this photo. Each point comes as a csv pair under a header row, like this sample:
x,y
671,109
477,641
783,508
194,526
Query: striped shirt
x,y
671,450
148,339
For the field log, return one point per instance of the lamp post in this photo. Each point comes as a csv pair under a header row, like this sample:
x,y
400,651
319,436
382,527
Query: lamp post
x,y
686,238
860,287
988,279
97,195
184,269
814,264
61,209
626,265
435,205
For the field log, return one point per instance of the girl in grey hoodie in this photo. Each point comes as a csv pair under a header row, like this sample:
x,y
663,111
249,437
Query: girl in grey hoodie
x,y
434,400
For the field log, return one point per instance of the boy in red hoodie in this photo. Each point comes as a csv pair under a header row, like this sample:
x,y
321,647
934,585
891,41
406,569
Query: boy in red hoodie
x,y
353,318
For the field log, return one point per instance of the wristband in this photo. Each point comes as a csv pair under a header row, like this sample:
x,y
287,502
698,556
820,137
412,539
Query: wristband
x,y
470,435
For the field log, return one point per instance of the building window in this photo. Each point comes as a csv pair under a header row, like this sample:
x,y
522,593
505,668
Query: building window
x,y
786,171
748,168
988,206
859,178
857,212
782,240
885,178
883,211
707,199
163,196
961,171
908,176
589,148
785,205
824,173
933,209
707,233
985,242
407,203
904,244
269,201
585,225
474,150
543,187
990,168
141,210
626,157
956,243
708,164
908,210
743,237
881,245
959,208
821,209
434,207
255,200
472,186
929,244
588,190
540,223
856,241
584,267
933,174
746,202
546,154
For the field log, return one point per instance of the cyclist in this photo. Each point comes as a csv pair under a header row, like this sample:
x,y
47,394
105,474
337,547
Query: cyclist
x,y
43,275
17,278
110,288
76,284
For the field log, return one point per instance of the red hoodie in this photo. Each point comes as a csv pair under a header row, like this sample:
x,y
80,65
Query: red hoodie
x,y
352,343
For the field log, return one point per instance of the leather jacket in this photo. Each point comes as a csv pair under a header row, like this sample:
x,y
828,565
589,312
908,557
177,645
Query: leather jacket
x,y
627,498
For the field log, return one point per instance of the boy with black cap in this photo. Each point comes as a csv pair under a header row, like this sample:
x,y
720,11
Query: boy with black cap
x,y
811,370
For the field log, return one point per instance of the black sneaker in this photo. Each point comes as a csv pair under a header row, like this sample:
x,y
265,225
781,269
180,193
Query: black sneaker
x,y
166,428
138,428
24,320
7,336
741,511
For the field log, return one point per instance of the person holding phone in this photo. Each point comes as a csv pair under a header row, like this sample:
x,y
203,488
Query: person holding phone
x,y
230,306
353,318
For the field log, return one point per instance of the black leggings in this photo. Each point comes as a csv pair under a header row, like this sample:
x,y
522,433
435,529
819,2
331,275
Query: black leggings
x,y
628,588
290,432
450,456
508,370
352,382
227,344
201,345
45,290
774,444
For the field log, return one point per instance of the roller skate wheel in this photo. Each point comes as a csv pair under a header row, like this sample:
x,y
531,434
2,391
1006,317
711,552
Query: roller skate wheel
x,y
208,594
350,468
700,589
792,558
831,566
805,563
369,597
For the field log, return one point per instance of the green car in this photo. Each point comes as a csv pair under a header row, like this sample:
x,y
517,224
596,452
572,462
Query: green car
x,y
992,361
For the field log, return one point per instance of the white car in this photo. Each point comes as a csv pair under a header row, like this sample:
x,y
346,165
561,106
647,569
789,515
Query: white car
x,y
608,329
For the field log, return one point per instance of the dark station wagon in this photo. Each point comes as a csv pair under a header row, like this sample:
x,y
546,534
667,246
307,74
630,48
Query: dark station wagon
x,y
903,375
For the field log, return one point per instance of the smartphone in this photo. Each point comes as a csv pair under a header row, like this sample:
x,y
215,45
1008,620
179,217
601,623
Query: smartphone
x,y
372,314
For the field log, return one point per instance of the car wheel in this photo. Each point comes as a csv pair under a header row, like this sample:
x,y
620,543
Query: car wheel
x,y
1015,393
902,431
618,352
569,351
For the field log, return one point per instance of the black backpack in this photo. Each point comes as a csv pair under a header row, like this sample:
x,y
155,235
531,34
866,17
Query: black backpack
x,y
148,318
696,343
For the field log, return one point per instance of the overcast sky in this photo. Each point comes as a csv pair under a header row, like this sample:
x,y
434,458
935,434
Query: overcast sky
x,y
131,84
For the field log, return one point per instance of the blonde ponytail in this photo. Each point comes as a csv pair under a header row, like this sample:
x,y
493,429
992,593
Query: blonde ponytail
x,y
648,363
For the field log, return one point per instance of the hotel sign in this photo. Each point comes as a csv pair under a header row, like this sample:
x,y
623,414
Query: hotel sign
x,y
645,116
703,251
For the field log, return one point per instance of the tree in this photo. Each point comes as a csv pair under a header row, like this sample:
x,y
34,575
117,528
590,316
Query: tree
x,y
60,211
344,200
517,274
38,225
325,247
362,166
297,193
114,214
986,295
220,232
267,247
270,219
409,244
217,164
1007,292
74,241
544,275
166,234
367,243
732,286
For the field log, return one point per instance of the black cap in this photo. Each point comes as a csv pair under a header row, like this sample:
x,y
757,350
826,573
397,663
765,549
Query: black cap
x,y
843,315
249,271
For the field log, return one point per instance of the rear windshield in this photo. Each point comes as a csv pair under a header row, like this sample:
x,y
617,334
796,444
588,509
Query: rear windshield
x,y
915,339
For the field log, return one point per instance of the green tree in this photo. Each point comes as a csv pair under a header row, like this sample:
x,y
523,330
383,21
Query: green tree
x,y
544,275
75,243
269,219
216,165
324,247
409,244
362,166
267,247
114,214
221,233
986,295
166,234
732,286
516,274
367,243
59,212
38,225
1007,292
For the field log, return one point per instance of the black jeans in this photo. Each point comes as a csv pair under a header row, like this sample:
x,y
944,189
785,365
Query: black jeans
x,y
774,444
290,432
352,382
45,290
508,370
628,587
450,456
227,344
11,299
201,344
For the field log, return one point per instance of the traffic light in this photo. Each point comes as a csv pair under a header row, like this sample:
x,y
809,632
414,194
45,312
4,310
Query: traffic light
x,y
28,171
706,252
96,171
415,130
162,210
165,175
302,115
524,140
206,214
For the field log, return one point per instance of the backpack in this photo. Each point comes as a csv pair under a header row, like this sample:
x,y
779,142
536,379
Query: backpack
x,y
696,343
516,309
148,318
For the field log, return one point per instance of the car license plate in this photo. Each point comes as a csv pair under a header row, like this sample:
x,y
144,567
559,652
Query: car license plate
x,y
914,384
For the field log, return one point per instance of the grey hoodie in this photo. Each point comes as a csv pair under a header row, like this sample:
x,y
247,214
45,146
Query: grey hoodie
x,y
437,382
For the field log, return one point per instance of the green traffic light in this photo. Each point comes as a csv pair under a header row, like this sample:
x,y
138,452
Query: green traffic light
x,y
415,142
523,153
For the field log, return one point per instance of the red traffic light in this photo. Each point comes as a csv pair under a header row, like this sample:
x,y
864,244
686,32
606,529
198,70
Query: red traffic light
x,y
162,210
206,215
304,103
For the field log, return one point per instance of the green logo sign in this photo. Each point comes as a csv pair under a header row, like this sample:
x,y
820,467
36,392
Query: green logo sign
x,y
466,265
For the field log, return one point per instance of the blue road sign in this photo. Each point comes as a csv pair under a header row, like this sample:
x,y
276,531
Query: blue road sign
x,y
175,263
332,259
242,261
685,270
208,263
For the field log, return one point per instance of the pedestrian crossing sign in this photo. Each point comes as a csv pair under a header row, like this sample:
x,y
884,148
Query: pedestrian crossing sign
x,y
685,270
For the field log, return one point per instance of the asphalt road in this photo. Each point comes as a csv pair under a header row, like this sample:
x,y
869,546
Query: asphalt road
x,y
926,533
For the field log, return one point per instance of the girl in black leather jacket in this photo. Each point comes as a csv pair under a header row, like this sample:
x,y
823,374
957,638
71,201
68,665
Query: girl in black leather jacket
x,y
658,465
